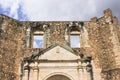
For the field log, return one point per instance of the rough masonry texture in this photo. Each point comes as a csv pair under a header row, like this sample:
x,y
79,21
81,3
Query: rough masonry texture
x,y
99,41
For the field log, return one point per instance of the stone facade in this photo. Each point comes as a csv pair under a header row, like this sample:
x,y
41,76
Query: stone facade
x,y
58,60
99,49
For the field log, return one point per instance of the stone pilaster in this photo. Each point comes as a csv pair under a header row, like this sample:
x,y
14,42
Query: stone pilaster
x,y
84,37
81,74
46,35
85,74
28,31
25,76
35,71
67,34
31,74
96,72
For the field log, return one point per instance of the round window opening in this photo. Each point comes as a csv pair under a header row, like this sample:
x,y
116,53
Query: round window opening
x,y
58,77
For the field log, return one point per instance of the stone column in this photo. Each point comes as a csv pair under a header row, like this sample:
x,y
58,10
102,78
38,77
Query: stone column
x,y
46,35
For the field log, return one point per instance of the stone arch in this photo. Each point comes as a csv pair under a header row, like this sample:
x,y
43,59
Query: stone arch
x,y
58,74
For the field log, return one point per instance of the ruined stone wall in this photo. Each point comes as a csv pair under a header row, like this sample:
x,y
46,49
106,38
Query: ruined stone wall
x,y
102,46
10,48
57,32
102,43
113,74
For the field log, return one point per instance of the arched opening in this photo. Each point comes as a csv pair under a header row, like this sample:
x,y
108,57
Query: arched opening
x,y
58,77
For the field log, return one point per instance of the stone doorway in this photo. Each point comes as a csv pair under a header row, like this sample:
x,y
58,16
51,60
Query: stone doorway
x,y
58,77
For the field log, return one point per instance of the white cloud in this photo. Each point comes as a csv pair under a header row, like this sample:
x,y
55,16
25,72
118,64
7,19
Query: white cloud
x,y
12,6
6,3
57,9
14,9
45,10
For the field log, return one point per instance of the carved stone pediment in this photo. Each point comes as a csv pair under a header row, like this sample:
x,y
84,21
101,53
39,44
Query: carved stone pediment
x,y
57,51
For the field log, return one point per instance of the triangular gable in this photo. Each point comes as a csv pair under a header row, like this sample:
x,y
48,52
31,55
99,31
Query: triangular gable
x,y
52,50
58,53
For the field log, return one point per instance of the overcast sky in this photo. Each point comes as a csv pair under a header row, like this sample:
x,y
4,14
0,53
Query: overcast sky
x,y
57,10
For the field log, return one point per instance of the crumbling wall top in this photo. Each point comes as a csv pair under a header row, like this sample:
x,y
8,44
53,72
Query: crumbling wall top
x,y
107,12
